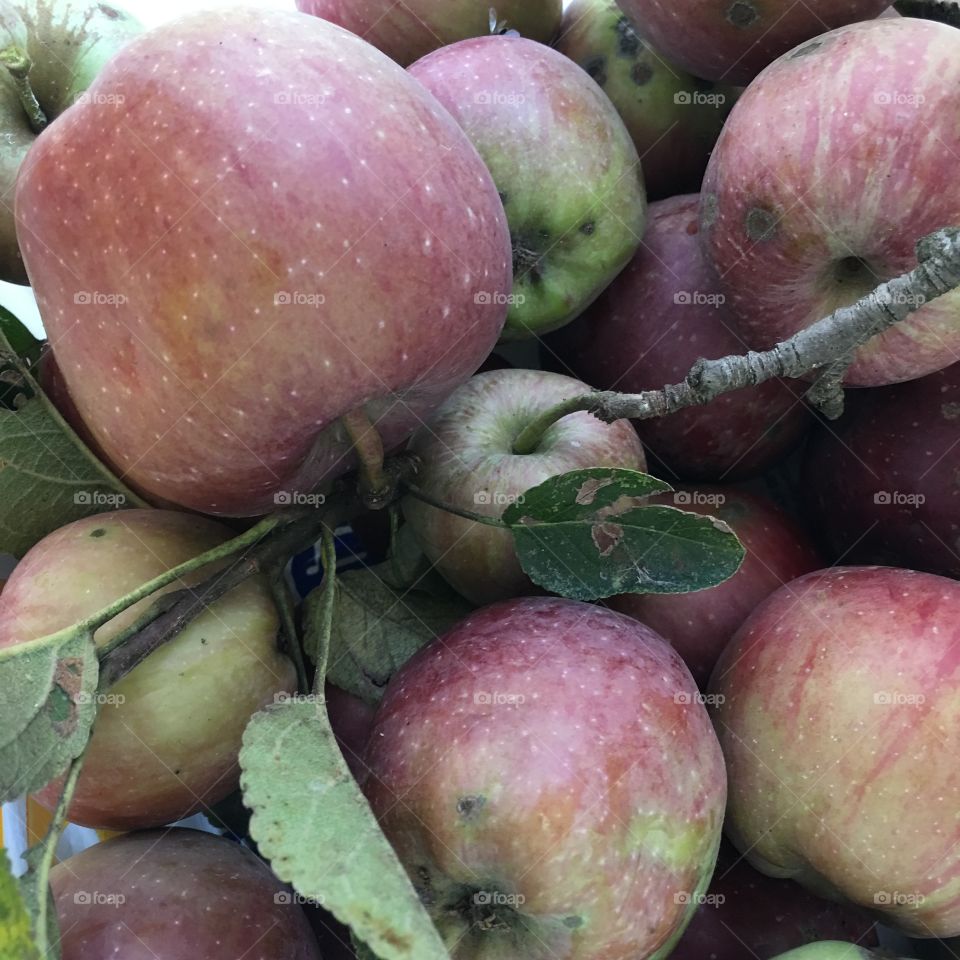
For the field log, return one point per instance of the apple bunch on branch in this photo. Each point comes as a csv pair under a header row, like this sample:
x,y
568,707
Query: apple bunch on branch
x,y
271,251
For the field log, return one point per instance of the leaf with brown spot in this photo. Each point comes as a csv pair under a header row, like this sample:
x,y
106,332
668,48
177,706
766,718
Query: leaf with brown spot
x,y
569,544
47,708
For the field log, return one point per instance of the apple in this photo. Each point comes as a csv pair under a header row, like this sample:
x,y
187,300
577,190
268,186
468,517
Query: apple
x,y
648,328
407,31
60,46
836,707
566,168
793,219
467,461
551,782
830,950
351,719
883,483
166,736
281,238
745,914
700,624
733,40
176,895
673,117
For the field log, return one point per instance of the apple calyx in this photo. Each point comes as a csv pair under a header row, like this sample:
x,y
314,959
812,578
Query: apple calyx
x,y
19,64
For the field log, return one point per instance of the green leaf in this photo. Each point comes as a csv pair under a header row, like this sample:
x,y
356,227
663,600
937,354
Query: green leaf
x,y
16,940
590,534
378,627
46,710
313,824
48,477
23,343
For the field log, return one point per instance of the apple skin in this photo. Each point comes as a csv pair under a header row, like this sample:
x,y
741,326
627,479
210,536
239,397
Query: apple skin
x,y
793,221
67,43
554,755
732,42
563,161
755,916
351,719
468,462
699,625
898,441
410,30
830,950
673,117
176,895
262,285
836,706
648,328
169,747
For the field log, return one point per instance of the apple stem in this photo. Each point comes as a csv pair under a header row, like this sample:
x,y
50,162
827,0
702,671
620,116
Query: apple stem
x,y
432,501
368,446
18,65
532,434
284,603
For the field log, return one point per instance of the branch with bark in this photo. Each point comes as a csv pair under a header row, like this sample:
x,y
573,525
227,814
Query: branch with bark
x,y
825,348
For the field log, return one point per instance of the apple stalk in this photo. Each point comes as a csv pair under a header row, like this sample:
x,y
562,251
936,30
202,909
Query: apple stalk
x,y
18,65
825,346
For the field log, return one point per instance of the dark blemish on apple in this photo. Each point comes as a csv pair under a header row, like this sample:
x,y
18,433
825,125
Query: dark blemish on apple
x,y
628,42
99,532
742,14
641,73
708,210
811,47
760,224
203,640
469,807
950,411
597,68
692,228
573,922
588,228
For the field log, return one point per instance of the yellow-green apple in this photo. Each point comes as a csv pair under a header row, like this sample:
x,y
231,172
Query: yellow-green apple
x,y
410,30
733,40
467,458
550,780
856,162
166,736
882,484
831,950
836,707
745,914
646,330
176,895
700,624
566,168
290,229
673,117
54,49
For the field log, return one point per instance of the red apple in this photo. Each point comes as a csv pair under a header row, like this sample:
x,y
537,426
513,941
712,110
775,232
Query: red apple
x,y
700,624
745,914
351,719
836,708
646,330
467,459
566,168
674,118
176,895
551,783
291,229
733,40
883,482
166,736
837,159
407,31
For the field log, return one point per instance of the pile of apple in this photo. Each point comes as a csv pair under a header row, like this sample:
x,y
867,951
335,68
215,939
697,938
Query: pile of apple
x,y
264,243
